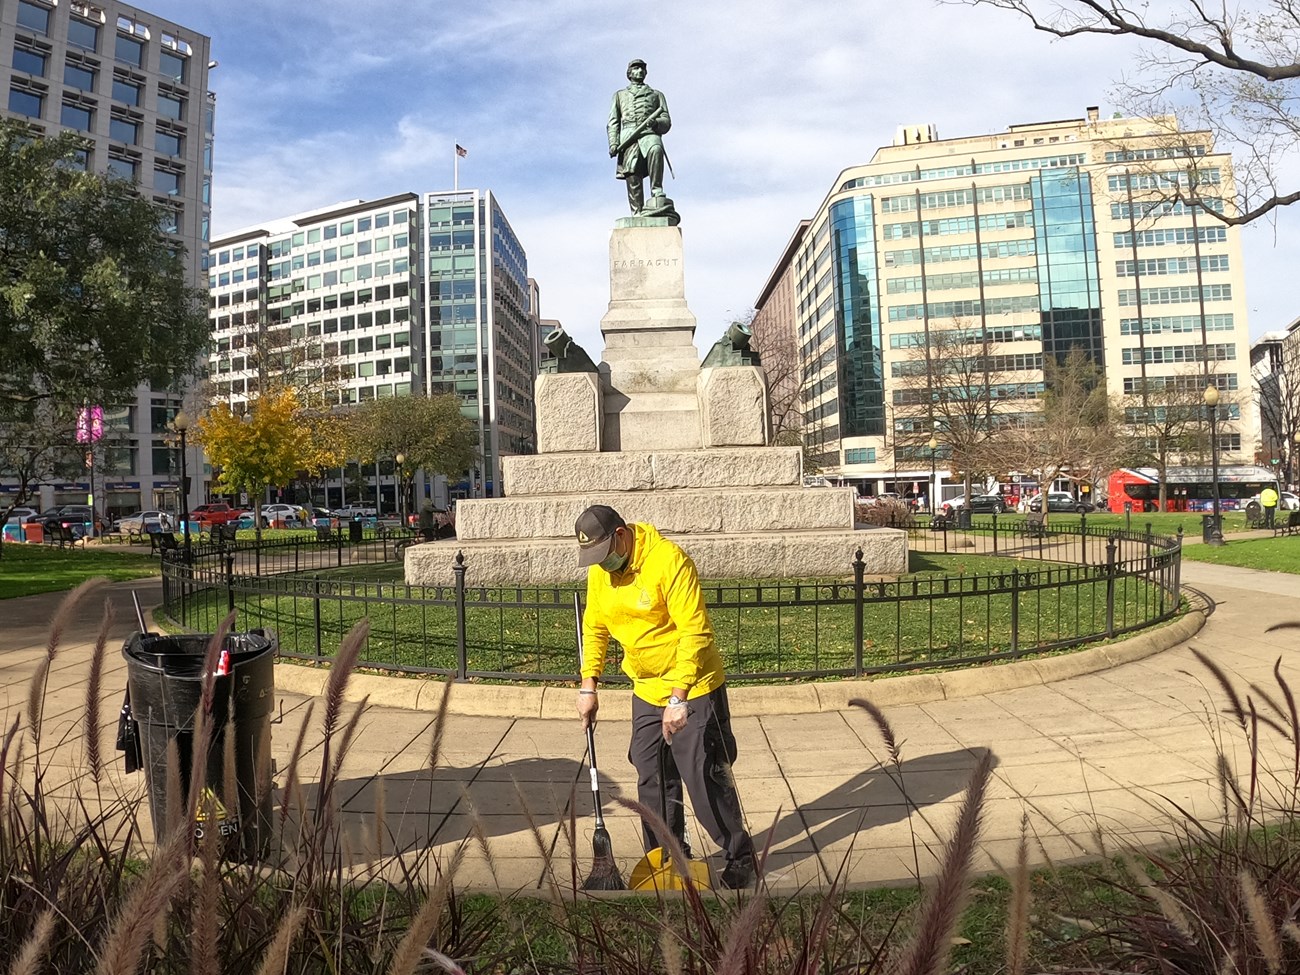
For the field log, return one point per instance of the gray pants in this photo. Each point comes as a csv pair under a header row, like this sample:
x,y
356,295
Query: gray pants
x,y
700,756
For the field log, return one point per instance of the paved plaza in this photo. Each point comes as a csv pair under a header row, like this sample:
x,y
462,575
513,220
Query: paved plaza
x,y
1088,756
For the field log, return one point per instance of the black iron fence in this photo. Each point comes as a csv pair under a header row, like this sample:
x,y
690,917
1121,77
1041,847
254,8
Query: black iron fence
x,y
1053,588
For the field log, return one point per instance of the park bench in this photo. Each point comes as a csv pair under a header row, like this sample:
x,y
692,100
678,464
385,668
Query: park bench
x,y
941,523
1034,527
162,542
1289,527
62,534
223,534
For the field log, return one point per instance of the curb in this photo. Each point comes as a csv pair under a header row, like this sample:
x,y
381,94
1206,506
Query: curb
x,y
512,701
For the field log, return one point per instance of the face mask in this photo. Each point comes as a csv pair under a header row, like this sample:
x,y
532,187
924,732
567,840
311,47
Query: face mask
x,y
614,562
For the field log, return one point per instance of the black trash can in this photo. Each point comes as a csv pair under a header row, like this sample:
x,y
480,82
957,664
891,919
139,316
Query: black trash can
x,y
963,517
354,529
1207,527
165,677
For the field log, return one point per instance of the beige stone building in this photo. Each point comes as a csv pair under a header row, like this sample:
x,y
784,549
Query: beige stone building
x,y
1021,244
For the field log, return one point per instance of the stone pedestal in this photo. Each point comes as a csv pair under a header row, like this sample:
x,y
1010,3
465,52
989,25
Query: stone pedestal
x,y
650,365
733,407
572,405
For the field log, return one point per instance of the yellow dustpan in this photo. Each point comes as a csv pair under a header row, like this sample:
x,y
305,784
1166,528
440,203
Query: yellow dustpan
x,y
655,870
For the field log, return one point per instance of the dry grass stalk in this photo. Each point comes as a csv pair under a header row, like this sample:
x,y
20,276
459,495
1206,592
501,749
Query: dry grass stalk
x,y
1170,908
295,757
276,959
423,925
480,836
740,936
1261,922
440,725
443,962
1225,684
548,871
335,689
1291,930
1018,907
94,688
204,920
125,941
5,745
36,702
670,949
931,945
29,958
883,726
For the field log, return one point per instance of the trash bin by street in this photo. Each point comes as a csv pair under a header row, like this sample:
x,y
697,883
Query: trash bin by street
x,y
165,681
1207,527
354,529
963,517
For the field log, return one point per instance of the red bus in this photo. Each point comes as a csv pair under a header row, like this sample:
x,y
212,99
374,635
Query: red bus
x,y
1187,488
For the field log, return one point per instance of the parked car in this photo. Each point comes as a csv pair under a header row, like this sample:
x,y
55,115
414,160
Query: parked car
x,y
147,521
1288,501
20,515
75,517
281,512
216,513
351,510
1061,501
987,504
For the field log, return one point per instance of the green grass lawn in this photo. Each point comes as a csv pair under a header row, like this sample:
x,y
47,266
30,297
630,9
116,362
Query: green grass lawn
x,y
29,569
1263,551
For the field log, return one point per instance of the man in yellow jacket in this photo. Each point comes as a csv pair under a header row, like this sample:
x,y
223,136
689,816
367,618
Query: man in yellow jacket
x,y
1268,499
644,592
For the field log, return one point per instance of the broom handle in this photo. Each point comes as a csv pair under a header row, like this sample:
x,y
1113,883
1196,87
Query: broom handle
x,y
595,781
591,728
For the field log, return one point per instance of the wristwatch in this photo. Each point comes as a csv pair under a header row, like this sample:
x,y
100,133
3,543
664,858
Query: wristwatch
x,y
674,700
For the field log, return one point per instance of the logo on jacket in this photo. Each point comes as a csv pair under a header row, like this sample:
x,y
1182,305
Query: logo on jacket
x,y
644,601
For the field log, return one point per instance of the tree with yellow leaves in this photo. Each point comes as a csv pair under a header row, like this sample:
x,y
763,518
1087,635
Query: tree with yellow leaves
x,y
269,444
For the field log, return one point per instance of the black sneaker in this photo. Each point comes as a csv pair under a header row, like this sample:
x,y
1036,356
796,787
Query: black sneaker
x,y
738,874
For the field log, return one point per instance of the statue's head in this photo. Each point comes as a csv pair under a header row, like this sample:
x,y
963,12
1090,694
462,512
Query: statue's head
x,y
636,70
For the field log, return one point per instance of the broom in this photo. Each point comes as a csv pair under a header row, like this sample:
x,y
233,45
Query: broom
x,y
604,873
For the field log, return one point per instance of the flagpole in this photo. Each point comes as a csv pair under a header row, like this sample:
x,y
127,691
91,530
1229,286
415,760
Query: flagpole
x,y
455,167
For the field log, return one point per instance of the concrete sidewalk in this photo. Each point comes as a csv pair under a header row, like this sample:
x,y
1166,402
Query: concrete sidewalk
x,y
1104,751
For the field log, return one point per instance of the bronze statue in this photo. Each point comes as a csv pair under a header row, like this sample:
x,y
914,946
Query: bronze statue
x,y
568,355
637,121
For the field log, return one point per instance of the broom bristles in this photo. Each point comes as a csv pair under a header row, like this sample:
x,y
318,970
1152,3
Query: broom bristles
x,y
604,873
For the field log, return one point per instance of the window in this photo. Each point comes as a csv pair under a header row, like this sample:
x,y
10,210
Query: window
x,y
171,106
76,76
169,221
129,51
31,62
76,117
122,168
33,16
124,130
167,143
172,66
381,220
166,182
83,35
331,231
126,91
363,224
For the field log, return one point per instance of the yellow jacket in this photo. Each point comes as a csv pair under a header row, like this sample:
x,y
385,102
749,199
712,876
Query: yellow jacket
x,y
1268,498
655,610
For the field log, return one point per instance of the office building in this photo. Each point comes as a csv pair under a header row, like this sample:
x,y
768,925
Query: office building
x,y
409,294
1020,245
134,86
1275,368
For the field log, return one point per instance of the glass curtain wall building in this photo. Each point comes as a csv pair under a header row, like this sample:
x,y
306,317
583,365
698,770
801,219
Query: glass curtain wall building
x,y
1009,249
134,87
409,294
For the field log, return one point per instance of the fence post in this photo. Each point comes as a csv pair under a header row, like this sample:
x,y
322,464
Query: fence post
x,y
257,557
339,536
859,593
230,583
995,532
1110,586
1083,535
315,594
462,657
297,548
1178,569
1015,610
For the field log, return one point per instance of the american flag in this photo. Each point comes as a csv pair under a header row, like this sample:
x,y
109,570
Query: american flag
x,y
461,151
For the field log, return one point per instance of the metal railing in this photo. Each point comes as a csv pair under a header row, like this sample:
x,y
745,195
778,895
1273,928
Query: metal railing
x,y
1069,585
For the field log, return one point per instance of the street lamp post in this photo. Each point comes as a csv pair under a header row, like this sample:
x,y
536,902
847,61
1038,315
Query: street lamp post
x,y
401,493
1295,456
181,423
1211,405
933,445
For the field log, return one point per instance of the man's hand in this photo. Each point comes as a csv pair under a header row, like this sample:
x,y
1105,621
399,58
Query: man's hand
x,y
674,720
588,705
613,152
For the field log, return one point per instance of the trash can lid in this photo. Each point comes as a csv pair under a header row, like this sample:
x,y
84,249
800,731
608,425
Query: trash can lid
x,y
182,655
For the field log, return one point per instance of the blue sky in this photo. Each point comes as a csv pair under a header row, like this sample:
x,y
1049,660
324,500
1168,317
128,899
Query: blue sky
x,y
321,101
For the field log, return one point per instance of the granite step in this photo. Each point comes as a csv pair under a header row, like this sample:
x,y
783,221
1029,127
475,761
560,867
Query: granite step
x,y
585,472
